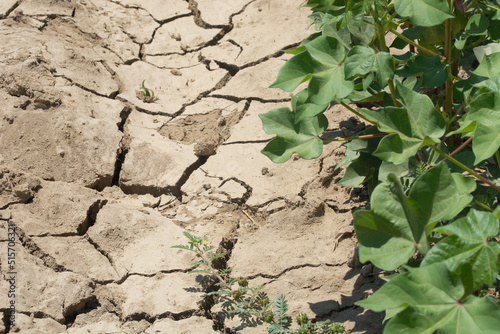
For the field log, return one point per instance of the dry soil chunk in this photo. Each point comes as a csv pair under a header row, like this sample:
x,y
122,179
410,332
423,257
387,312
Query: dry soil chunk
x,y
179,36
266,27
184,326
154,164
161,10
79,256
225,9
31,325
245,163
172,91
139,241
291,239
254,82
59,146
121,29
40,289
249,128
58,209
47,7
16,187
6,6
159,294
102,320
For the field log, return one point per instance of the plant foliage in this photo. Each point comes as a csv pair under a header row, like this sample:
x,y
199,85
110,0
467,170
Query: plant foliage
x,y
250,304
430,152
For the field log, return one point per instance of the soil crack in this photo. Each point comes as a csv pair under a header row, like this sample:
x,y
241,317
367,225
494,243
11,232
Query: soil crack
x,y
122,149
10,10
104,253
47,260
251,98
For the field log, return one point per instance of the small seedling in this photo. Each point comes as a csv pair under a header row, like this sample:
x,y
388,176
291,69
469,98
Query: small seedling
x,y
251,304
148,92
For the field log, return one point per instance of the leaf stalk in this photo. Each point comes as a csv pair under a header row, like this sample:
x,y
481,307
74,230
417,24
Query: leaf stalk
x,y
461,165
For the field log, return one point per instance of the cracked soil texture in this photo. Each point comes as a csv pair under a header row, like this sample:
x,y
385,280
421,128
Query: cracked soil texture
x,y
100,181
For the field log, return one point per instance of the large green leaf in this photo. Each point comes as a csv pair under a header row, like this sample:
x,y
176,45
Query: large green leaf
x,y
360,170
402,219
425,13
477,25
322,63
416,125
469,243
292,137
489,66
434,73
382,242
482,122
465,186
362,60
429,298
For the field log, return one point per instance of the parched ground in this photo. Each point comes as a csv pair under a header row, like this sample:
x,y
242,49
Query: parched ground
x,y
100,182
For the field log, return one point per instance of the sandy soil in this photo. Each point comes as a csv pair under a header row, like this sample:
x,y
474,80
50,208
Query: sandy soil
x,y
99,182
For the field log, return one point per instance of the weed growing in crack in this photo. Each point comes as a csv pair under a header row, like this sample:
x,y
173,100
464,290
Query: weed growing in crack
x,y
250,304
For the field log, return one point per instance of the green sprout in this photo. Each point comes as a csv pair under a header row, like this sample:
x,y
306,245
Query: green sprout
x,y
147,91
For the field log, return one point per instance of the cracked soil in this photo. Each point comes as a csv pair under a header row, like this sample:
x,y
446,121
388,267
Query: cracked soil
x,y
100,182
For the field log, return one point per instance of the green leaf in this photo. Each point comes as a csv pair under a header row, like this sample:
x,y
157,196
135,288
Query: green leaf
x,y
308,110
404,218
483,123
477,25
292,137
322,63
362,60
417,125
425,13
465,186
434,73
359,61
360,170
380,241
431,296
489,66
297,70
396,149
468,243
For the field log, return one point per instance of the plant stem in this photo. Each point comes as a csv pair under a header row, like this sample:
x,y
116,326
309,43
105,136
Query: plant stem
x,y
354,138
461,165
390,83
448,104
484,206
460,147
409,41
497,156
355,112
430,158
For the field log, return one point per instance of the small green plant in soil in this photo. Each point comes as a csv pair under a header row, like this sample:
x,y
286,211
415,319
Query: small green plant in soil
x,y
148,92
251,304
429,155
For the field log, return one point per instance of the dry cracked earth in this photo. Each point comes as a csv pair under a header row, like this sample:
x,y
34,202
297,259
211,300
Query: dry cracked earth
x,y
100,181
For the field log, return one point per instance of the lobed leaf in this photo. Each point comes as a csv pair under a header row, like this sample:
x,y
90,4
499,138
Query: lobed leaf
x,y
468,244
482,122
416,125
427,299
397,224
300,137
425,13
322,63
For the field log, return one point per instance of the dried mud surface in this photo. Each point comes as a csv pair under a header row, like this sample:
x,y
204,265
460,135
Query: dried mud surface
x,y
101,182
